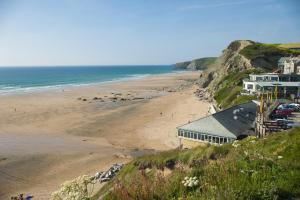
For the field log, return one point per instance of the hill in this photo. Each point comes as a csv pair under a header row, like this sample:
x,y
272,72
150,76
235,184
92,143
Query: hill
x,y
295,45
223,79
196,64
249,169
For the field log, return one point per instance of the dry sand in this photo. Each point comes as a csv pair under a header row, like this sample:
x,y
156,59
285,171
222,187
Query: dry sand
x,y
53,136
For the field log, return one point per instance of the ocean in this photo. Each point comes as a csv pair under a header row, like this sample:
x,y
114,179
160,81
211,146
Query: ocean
x,y
30,79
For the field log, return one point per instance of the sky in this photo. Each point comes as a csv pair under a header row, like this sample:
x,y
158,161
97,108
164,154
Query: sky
x,y
134,32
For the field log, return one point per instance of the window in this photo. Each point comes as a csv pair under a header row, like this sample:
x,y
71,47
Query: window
x,y
206,137
221,140
195,136
189,134
202,137
199,136
225,140
217,140
185,134
249,86
274,78
209,138
214,139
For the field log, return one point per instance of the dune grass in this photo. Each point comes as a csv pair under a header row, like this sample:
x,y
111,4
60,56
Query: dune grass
x,y
249,169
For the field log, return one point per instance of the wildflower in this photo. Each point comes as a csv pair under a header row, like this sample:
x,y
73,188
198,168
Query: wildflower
x,y
246,153
279,157
235,144
190,181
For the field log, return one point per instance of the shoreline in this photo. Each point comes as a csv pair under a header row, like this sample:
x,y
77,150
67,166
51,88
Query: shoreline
x,y
56,136
60,87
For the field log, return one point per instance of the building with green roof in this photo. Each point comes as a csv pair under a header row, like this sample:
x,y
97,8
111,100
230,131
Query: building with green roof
x,y
222,127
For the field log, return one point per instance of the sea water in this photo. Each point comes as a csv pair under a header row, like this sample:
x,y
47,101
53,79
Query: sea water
x,y
29,79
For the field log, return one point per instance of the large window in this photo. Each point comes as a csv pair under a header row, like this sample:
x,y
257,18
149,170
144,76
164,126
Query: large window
x,y
249,86
217,140
195,136
274,78
202,137
209,139
185,134
221,140
214,139
199,136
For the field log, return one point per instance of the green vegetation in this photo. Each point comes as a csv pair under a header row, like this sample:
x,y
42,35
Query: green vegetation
x,y
230,87
258,50
290,45
202,63
197,64
253,168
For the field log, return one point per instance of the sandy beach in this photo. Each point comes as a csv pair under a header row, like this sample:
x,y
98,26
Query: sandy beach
x,y
49,137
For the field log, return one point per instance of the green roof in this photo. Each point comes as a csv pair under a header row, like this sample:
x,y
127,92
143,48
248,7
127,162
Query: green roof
x,y
231,122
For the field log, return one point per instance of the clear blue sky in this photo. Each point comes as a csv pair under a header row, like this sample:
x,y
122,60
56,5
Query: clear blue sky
x,y
79,32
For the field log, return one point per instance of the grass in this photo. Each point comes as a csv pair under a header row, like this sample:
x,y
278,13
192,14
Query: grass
x,y
250,169
290,45
257,50
203,63
230,87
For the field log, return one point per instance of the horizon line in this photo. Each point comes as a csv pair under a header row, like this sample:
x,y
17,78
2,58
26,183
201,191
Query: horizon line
x,y
81,65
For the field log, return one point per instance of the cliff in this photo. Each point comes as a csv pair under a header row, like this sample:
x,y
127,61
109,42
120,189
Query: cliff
x,y
223,79
196,64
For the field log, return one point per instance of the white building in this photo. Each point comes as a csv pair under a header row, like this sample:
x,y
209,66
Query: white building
x,y
251,85
289,65
287,82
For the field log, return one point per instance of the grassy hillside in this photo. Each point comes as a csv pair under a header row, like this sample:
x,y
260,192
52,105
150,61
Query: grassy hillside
x,y
290,45
230,87
266,56
181,65
249,169
196,64
263,58
202,63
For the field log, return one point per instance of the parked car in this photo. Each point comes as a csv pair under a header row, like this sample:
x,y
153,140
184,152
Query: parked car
x,y
283,106
294,106
285,121
284,112
274,116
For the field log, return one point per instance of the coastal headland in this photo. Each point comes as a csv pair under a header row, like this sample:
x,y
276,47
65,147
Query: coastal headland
x,y
52,136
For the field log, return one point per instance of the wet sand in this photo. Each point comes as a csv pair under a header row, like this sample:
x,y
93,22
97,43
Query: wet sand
x,y
53,136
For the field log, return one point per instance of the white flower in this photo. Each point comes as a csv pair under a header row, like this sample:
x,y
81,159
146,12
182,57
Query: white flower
x,y
279,157
190,181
